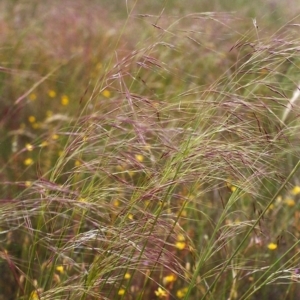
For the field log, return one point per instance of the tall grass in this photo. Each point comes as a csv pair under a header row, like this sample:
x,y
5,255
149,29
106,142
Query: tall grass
x,y
154,157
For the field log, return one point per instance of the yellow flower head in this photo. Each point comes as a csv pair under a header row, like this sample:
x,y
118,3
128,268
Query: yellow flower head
x,y
34,296
28,183
116,203
29,147
31,119
28,161
272,246
180,238
290,202
230,185
64,100
296,190
127,276
106,93
44,144
51,93
160,293
169,279
60,269
181,293
180,244
121,292
139,157
233,188
77,163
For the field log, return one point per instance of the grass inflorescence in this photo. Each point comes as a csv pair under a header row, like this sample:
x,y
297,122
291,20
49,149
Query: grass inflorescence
x,y
148,152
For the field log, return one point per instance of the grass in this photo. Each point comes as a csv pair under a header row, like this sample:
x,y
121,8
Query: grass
x,y
149,151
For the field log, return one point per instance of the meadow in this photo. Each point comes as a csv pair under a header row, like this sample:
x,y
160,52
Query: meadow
x,y
149,150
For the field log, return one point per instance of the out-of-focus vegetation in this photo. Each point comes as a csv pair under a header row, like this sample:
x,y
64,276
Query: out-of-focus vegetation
x,y
149,150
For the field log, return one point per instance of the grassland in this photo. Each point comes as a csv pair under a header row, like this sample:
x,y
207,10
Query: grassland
x,y
149,150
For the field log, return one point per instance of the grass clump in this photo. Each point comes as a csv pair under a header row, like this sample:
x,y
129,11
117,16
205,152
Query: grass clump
x,y
155,158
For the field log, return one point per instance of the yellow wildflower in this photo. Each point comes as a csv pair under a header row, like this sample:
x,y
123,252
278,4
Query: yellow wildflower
x,y
31,119
289,202
180,237
28,161
116,203
169,279
182,292
106,93
44,144
233,188
121,292
272,246
130,216
64,100
28,183
296,190
160,293
51,93
60,269
230,186
77,163
54,136
29,147
139,157
34,296
180,244
127,276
